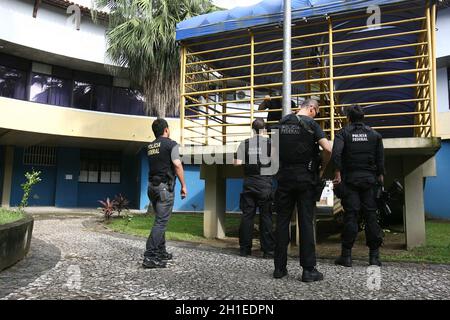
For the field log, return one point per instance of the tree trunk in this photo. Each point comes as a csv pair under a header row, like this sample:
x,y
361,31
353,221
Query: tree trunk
x,y
162,95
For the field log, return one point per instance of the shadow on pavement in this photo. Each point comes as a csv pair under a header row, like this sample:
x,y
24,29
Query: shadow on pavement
x,y
42,257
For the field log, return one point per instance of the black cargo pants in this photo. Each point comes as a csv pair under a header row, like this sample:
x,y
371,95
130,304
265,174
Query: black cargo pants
x,y
295,190
360,196
257,194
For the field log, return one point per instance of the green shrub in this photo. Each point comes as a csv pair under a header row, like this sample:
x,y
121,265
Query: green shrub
x,y
32,179
8,216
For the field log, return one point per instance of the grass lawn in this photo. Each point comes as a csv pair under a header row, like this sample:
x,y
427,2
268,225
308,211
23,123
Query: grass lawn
x,y
436,250
189,227
7,216
182,226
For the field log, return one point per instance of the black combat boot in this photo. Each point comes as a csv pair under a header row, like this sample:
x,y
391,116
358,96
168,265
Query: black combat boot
x,y
280,273
165,256
153,262
345,259
311,275
374,257
243,252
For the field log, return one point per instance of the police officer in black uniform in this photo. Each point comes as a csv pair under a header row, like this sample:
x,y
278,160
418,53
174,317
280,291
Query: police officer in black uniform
x,y
300,170
164,162
254,154
273,117
358,158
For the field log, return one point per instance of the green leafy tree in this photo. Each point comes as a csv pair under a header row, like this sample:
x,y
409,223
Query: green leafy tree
x,y
141,38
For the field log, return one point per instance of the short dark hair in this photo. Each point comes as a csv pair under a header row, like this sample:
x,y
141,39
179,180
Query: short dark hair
x,y
258,124
355,113
309,102
158,127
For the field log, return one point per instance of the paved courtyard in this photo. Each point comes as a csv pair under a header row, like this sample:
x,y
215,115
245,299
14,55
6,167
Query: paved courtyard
x,y
71,259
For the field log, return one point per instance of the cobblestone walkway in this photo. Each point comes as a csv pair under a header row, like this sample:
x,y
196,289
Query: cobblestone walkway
x,y
68,260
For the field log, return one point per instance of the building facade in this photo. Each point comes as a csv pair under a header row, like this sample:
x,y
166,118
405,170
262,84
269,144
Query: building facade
x,y
437,201
64,114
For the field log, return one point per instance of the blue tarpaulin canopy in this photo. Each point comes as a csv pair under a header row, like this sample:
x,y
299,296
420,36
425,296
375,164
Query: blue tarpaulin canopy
x,y
264,13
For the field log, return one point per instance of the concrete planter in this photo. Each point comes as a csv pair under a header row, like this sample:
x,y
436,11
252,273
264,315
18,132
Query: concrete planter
x,y
15,238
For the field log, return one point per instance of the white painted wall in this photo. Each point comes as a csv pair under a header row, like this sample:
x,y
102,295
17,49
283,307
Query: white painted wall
x,y
51,31
442,90
443,50
442,33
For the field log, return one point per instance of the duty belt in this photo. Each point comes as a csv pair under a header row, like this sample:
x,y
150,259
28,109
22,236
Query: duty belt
x,y
294,165
156,180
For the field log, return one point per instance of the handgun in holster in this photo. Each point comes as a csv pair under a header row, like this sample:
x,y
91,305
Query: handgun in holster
x,y
156,181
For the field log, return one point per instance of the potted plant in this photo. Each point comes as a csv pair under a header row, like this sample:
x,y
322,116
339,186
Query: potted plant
x,y
16,227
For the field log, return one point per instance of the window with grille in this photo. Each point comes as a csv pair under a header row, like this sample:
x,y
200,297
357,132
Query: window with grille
x,y
39,156
99,167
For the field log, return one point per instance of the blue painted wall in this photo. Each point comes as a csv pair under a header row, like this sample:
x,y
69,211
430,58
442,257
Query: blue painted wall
x,y
234,189
143,179
66,194
195,199
56,190
43,193
437,189
196,188
196,192
90,193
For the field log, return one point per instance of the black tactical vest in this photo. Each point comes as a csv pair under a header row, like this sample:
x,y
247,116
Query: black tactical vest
x,y
297,143
360,148
257,155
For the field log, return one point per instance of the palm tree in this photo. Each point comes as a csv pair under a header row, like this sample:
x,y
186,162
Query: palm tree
x,y
141,38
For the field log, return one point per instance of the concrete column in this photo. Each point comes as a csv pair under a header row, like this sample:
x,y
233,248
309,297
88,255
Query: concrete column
x,y
7,176
215,202
414,210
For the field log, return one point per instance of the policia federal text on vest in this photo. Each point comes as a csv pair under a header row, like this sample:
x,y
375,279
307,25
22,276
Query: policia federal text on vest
x,y
299,140
254,154
164,163
358,158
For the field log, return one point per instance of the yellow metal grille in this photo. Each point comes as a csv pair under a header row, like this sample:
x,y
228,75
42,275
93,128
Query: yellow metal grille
x,y
388,68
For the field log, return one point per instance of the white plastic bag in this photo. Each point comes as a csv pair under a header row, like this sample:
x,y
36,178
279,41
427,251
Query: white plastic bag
x,y
327,197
